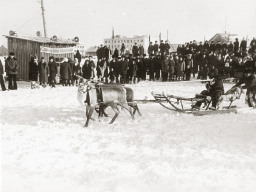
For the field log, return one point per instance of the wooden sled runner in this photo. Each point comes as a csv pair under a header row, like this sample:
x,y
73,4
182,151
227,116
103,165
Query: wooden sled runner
x,y
180,104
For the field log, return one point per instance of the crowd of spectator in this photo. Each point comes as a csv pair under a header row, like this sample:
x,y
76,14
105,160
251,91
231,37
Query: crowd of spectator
x,y
191,60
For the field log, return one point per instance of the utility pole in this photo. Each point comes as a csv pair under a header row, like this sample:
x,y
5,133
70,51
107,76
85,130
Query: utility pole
x,y
44,23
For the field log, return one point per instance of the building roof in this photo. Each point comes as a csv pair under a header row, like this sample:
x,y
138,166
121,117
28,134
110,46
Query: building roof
x,y
91,49
222,37
3,51
41,39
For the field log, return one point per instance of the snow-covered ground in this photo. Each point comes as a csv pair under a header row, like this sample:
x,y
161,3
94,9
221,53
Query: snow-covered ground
x,y
44,146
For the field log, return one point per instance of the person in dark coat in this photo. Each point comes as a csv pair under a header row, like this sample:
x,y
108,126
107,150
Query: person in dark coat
x,y
151,67
215,89
139,73
167,47
123,69
212,46
144,67
188,67
206,46
156,46
172,68
78,56
141,50
2,77
150,49
43,72
165,68
11,69
162,48
71,64
180,68
230,48
53,71
122,49
117,69
33,69
65,72
243,45
116,53
91,62
135,50
236,46
249,79
106,53
157,67
87,70
77,70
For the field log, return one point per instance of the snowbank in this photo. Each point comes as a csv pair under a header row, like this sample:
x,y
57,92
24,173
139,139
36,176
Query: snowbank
x,y
44,146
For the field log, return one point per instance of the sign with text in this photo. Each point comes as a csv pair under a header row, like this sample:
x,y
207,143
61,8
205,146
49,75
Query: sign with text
x,y
57,50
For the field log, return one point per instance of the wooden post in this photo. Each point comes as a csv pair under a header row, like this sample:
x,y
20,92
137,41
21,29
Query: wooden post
x,y
44,23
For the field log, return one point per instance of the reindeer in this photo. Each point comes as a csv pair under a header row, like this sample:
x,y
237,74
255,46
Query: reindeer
x,y
129,99
102,97
231,95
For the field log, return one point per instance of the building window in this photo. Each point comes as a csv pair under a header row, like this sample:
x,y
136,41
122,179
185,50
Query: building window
x,y
131,41
127,41
141,41
124,41
106,41
115,41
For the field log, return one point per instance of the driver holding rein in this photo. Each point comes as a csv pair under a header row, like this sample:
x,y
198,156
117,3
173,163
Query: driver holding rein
x,y
214,90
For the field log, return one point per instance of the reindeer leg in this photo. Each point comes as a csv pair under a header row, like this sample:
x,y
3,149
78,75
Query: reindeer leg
x,y
230,104
89,116
114,107
128,109
103,111
137,108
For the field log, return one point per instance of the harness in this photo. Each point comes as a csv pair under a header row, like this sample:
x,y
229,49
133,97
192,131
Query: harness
x,y
98,92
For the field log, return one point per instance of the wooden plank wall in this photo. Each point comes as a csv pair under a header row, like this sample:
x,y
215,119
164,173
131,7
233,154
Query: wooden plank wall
x,y
24,49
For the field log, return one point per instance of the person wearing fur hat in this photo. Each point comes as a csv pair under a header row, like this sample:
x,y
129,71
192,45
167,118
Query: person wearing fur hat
x,y
11,68
249,79
65,72
214,90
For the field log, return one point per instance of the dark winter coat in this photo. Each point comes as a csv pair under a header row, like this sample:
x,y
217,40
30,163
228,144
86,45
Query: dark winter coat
x,y
124,67
11,66
172,67
65,71
52,69
165,66
33,70
87,71
43,71
150,49
156,48
180,67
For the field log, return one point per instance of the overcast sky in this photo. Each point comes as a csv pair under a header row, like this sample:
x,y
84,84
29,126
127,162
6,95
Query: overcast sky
x,y
92,20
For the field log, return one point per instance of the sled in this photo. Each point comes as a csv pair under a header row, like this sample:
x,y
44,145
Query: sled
x,y
183,104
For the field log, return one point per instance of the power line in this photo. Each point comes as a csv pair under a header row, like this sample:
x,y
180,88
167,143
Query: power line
x,y
29,20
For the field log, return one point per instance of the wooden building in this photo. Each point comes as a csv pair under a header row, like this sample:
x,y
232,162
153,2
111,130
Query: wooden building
x,y
26,47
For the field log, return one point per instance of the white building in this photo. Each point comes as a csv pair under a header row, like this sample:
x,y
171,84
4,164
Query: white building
x,y
117,41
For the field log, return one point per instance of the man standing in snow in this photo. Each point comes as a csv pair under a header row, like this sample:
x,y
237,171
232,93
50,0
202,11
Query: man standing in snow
x,y
11,68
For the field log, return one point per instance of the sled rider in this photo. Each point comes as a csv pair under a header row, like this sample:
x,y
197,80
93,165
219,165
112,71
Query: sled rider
x,y
214,90
249,79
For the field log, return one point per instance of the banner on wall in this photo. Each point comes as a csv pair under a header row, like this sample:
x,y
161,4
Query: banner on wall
x,y
57,50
